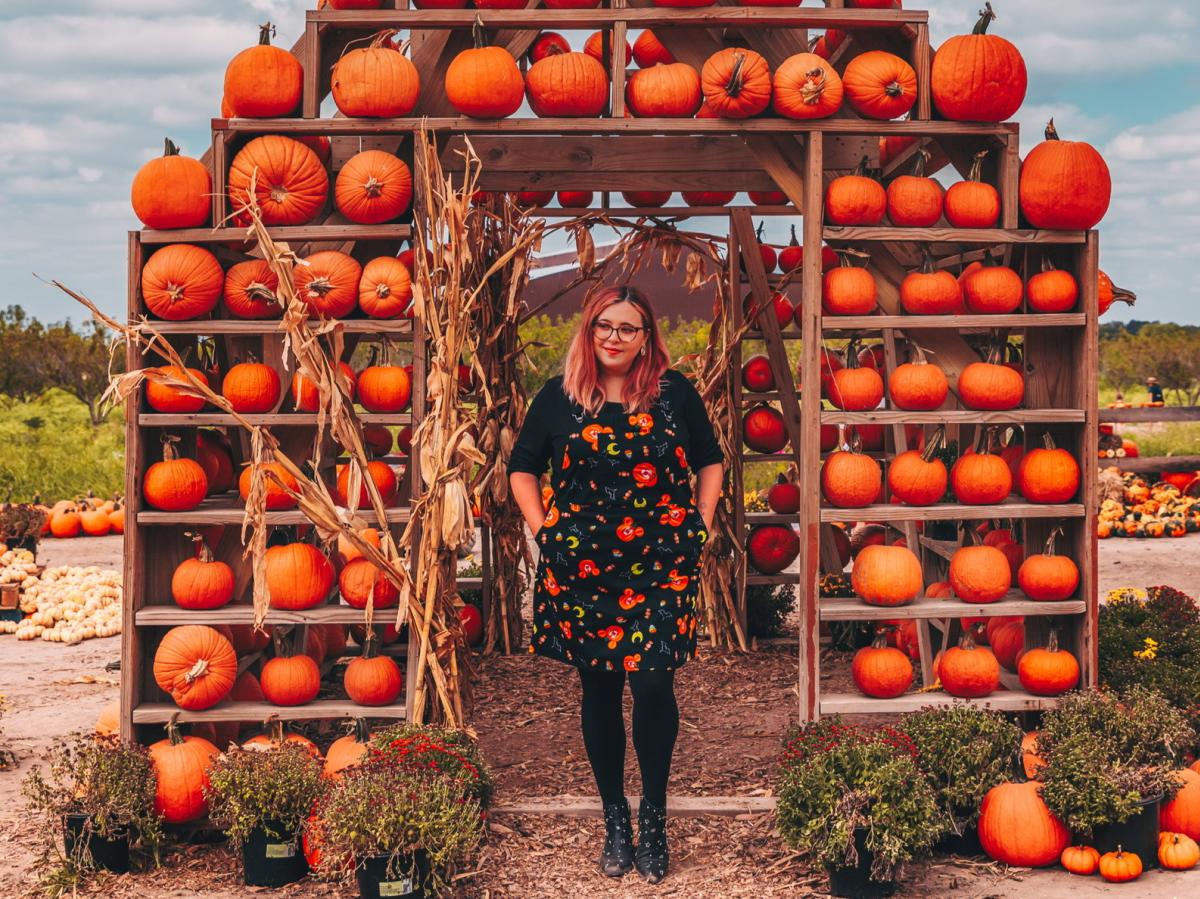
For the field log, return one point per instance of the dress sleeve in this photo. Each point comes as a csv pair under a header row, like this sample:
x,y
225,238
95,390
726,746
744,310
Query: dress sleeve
x,y
532,449
703,448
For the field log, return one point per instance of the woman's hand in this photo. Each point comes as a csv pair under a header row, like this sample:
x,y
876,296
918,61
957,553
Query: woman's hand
x,y
528,493
708,491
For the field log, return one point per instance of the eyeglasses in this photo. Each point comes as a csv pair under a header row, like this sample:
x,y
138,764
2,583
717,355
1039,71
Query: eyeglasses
x,y
625,333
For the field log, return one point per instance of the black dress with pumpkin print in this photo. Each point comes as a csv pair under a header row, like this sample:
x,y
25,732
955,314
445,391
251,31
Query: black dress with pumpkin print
x,y
618,574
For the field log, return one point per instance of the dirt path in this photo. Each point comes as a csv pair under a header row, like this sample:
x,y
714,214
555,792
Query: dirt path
x,y
733,713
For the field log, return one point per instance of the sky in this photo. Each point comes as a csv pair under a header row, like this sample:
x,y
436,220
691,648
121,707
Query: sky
x,y
88,92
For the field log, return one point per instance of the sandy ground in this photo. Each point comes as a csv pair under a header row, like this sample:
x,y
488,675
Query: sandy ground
x,y
527,722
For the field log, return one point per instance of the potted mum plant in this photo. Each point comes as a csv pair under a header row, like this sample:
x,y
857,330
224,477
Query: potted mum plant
x,y
100,793
1109,762
963,752
402,827
451,753
854,799
262,797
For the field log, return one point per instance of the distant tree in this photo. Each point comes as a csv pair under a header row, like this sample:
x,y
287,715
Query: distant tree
x,y
21,377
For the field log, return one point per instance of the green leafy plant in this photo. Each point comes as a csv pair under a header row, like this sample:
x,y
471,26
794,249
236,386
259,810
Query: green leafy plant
x,y
767,605
471,595
836,778
963,752
1105,753
272,788
449,754
1151,638
386,807
111,783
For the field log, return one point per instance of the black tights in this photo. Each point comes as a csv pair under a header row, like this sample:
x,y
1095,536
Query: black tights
x,y
655,727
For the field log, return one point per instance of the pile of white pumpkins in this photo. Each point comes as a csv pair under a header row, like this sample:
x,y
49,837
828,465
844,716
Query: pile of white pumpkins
x,y
65,604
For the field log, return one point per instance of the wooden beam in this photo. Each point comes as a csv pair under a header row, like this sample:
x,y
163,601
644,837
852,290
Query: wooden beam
x,y
1151,414
560,19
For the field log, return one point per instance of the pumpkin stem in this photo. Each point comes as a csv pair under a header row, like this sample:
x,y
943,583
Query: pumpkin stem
x,y
170,149
1048,441
1051,131
967,641
976,172
894,89
861,169
478,34
733,85
1048,264
920,159
880,641
273,727
1122,295
173,733
852,349
927,264
793,242
170,451
986,16
370,647
266,31
1052,643
361,734
1057,532
815,81
197,671
933,444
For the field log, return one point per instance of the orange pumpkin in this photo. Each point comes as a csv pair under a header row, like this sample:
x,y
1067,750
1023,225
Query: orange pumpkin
x,y
275,477
484,82
328,282
252,387
848,290
384,388
307,396
988,386
373,187
978,77
1050,671
172,191
855,389
375,81
914,201
664,91
880,85
380,473
1178,852
973,203
250,290
1082,860
567,84
181,775
290,183
195,665
1120,866
362,580
290,680
348,751
202,582
174,484
298,576
930,291
1048,474
1109,293
850,480
1064,184
648,50
1052,290
880,670
599,45
969,671
855,199
918,385
371,679
181,282
164,398
980,478
736,83
263,82
1047,577
918,477
1016,827
992,289
1182,813
807,87
979,574
886,575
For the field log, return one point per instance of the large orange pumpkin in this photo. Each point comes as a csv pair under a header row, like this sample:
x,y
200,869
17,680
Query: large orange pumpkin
x,y
881,671
980,574
850,480
736,83
806,87
1048,474
361,580
484,82
969,671
567,84
172,191
181,282
164,398
1016,827
664,91
263,82
880,85
290,183
328,282
978,77
1064,184
274,477
250,290
298,576
174,484
1182,813
375,81
181,773
385,288
855,199
886,575
373,187
195,665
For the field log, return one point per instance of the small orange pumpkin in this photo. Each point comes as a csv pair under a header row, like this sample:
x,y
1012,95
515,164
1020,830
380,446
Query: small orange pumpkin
x,y
1178,852
328,282
880,85
886,575
855,199
664,91
880,670
807,87
736,83
918,385
1049,671
918,477
263,82
484,82
174,484
373,187
1082,860
973,203
181,282
375,81
250,290
1120,866
172,191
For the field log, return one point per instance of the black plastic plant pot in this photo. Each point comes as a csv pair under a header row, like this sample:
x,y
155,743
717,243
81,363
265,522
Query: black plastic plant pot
x,y
404,878
107,853
1138,834
856,882
965,843
272,861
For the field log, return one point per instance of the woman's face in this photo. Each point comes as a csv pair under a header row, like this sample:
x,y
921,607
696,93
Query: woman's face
x,y
617,337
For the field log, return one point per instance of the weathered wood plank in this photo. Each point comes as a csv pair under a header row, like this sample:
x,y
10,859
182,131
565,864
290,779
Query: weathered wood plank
x,y
951,511
559,19
1001,700
162,712
1013,603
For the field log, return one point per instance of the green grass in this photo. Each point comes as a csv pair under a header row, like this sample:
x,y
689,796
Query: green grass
x,y
51,448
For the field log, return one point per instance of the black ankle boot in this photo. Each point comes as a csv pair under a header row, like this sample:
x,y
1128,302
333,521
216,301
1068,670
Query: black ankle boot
x,y
651,857
617,857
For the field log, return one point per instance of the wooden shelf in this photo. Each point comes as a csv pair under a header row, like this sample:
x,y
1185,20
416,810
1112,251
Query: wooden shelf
x,y
162,712
1015,603
547,19
224,511
294,233
169,616
394,328
950,322
1007,509
1001,700
952,235
784,577
782,457
662,212
954,416
334,127
295,419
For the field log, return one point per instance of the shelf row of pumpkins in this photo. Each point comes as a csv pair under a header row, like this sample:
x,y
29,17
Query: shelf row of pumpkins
x,y
181,282
1016,828
965,671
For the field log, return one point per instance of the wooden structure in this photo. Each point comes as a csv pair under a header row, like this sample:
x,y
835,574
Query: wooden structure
x,y
617,153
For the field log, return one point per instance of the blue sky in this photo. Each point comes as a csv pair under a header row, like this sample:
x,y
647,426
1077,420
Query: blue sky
x,y
91,90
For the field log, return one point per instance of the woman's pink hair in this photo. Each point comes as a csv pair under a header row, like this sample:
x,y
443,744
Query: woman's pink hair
x,y
581,380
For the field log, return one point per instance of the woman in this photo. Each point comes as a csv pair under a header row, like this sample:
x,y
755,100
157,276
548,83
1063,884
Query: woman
x,y
618,573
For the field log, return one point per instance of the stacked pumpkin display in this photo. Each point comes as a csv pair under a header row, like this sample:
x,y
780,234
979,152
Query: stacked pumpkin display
x,y
1135,508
